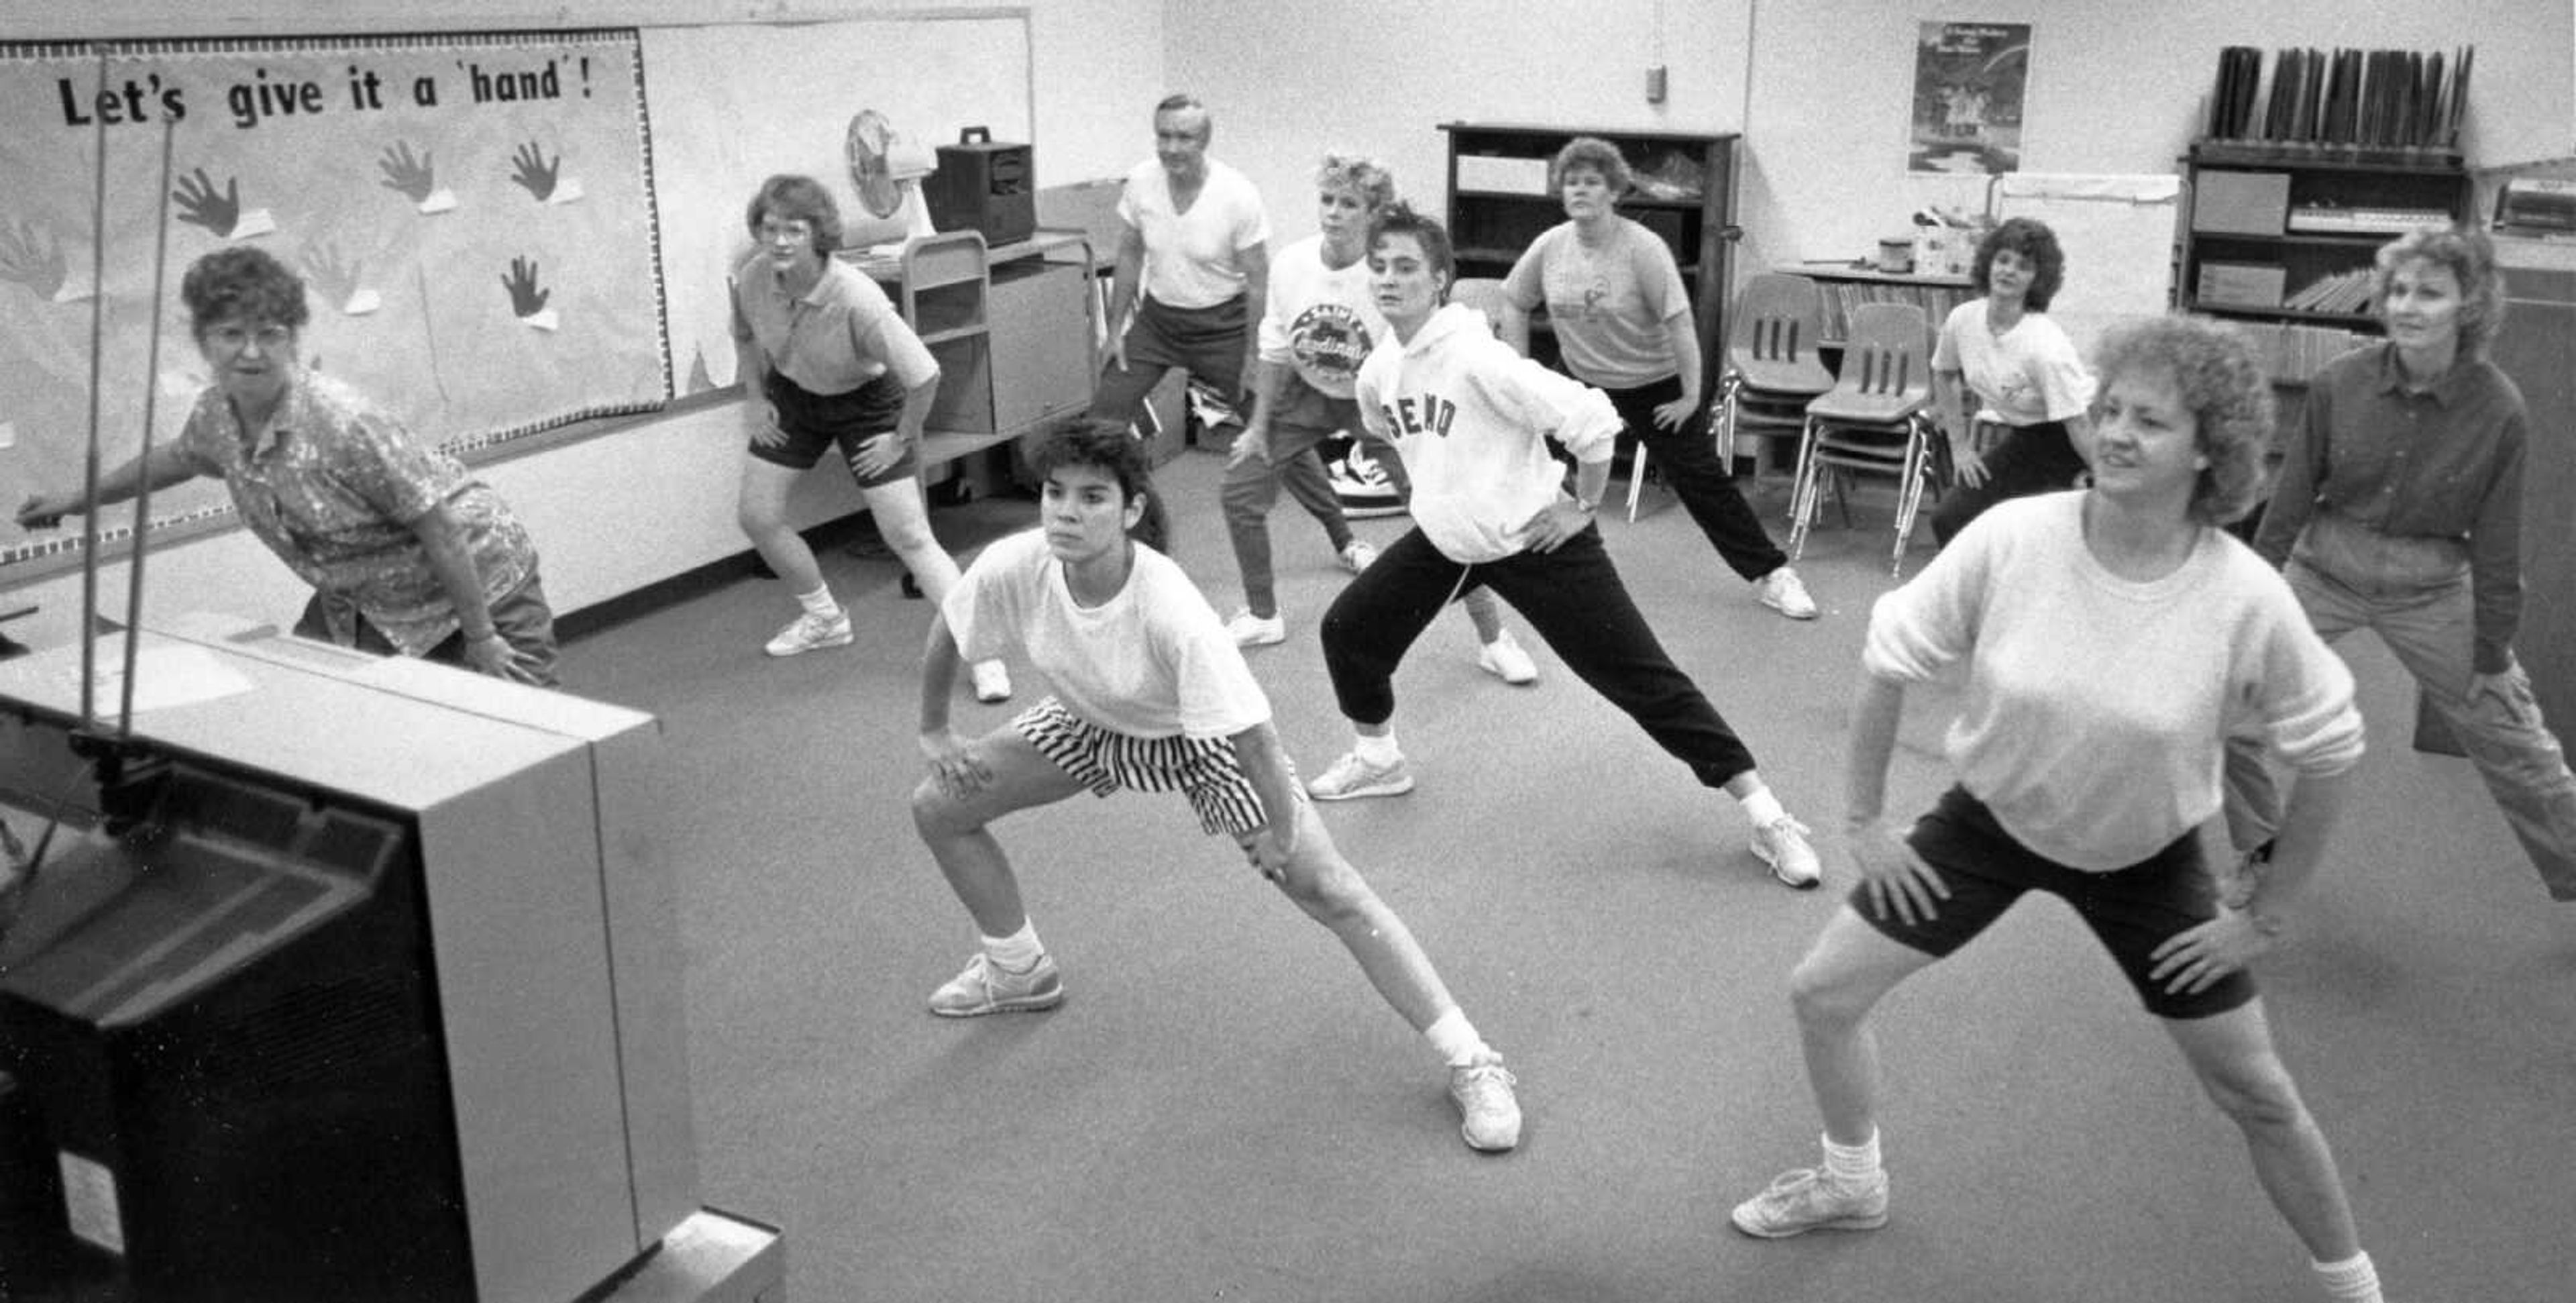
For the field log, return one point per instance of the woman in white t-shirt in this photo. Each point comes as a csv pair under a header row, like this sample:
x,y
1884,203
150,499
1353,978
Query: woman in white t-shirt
x,y
1150,693
2001,351
2109,639
1623,325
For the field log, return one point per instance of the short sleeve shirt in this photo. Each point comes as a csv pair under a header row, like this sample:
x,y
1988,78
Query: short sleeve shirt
x,y
1608,306
1192,259
334,491
1153,661
833,338
2028,374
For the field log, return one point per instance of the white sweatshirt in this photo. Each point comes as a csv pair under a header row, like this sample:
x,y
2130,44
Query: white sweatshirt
x,y
2096,707
1471,419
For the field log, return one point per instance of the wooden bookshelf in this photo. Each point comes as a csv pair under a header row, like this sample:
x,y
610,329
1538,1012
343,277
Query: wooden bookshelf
x,y
1499,202
2273,231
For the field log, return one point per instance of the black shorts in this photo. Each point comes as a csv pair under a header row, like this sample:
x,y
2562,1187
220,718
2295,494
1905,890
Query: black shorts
x,y
814,422
2132,910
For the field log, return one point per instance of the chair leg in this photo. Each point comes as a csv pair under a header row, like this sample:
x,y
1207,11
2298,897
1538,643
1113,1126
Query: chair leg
x,y
1909,498
1725,431
1802,493
1636,479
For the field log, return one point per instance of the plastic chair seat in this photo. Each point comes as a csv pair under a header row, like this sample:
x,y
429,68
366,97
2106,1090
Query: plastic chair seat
x,y
1874,420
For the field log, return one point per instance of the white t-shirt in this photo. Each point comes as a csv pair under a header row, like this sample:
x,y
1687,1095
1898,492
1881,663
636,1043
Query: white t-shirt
x,y
1190,258
1470,418
1608,306
1321,320
1153,661
2096,707
2027,374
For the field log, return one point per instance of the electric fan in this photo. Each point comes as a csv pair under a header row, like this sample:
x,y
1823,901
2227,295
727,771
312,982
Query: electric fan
x,y
887,166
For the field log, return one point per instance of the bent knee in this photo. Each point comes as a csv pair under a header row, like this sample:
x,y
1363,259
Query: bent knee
x,y
2256,1093
935,812
1820,997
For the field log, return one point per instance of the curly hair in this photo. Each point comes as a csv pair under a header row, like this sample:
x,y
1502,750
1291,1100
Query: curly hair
x,y
245,283
1097,444
1401,218
1359,174
2222,385
2037,246
1594,154
2469,256
792,198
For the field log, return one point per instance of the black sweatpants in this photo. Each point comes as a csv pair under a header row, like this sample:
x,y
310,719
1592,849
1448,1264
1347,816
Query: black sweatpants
x,y
1572,598
1687,459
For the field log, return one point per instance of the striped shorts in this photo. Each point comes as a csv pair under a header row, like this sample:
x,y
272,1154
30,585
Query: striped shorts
x,y
1104,760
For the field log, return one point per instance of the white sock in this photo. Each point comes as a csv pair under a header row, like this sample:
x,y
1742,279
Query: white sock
x,y
1763,808
2353,1280
819,602
1853,1164
1019,952
1454,1039
1378,751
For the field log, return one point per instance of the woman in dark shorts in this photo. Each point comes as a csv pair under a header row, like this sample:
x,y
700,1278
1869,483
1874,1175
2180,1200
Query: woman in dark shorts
x,y
828,363
2109,639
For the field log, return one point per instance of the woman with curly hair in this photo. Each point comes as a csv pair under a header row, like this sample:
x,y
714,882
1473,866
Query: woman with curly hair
x,y
2111,637
2399,510
2000,351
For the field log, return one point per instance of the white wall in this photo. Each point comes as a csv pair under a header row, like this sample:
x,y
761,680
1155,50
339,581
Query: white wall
x,y
2114,88
616,513
1396,71
1819,87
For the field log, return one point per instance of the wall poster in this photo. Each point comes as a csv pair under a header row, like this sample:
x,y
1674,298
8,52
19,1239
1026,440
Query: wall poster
x,y
472,214
1969,83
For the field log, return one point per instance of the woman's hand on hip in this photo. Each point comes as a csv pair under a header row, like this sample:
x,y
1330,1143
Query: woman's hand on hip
x,y
1893,875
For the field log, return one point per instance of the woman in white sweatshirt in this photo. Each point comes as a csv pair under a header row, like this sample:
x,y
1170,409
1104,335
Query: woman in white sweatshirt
x,y
2111,638
1471,419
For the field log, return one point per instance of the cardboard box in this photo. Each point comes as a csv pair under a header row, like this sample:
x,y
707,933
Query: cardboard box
x,y
2241,203
2241,284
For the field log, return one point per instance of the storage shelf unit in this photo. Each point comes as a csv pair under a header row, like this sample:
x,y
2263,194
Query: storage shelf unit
x,y
1011,326
1499,202
2247,255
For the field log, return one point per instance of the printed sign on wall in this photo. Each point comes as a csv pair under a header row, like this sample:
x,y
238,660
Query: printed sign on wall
x,y
1969,84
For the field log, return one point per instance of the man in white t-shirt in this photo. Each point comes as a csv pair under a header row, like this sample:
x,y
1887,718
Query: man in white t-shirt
x,y
1192,275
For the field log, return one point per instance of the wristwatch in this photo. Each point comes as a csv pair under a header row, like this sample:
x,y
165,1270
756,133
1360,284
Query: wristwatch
x,y
1587,505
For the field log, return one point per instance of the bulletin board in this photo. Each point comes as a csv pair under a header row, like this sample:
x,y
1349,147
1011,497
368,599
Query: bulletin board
x,y
503,233
472,216
731,105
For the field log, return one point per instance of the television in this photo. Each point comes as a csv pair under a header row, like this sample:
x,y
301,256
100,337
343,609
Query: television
x,y
223,1044
338,978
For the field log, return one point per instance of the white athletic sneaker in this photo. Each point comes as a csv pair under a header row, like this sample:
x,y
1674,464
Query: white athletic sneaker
x,y
1504,659
986,987
1811,1199
1782,591
1782,844
1249,630
1358,555
1488,1116
1350,778
992,681
810,631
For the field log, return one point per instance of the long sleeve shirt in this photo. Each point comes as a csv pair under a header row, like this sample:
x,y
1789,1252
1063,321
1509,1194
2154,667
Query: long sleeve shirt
x,y
1471,419
2441,462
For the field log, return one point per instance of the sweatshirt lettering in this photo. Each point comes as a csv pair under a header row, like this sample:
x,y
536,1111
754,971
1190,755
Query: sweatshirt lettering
x,y
1427,414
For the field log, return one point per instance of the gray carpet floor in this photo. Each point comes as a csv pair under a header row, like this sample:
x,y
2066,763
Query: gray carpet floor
x,y
1222,1109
